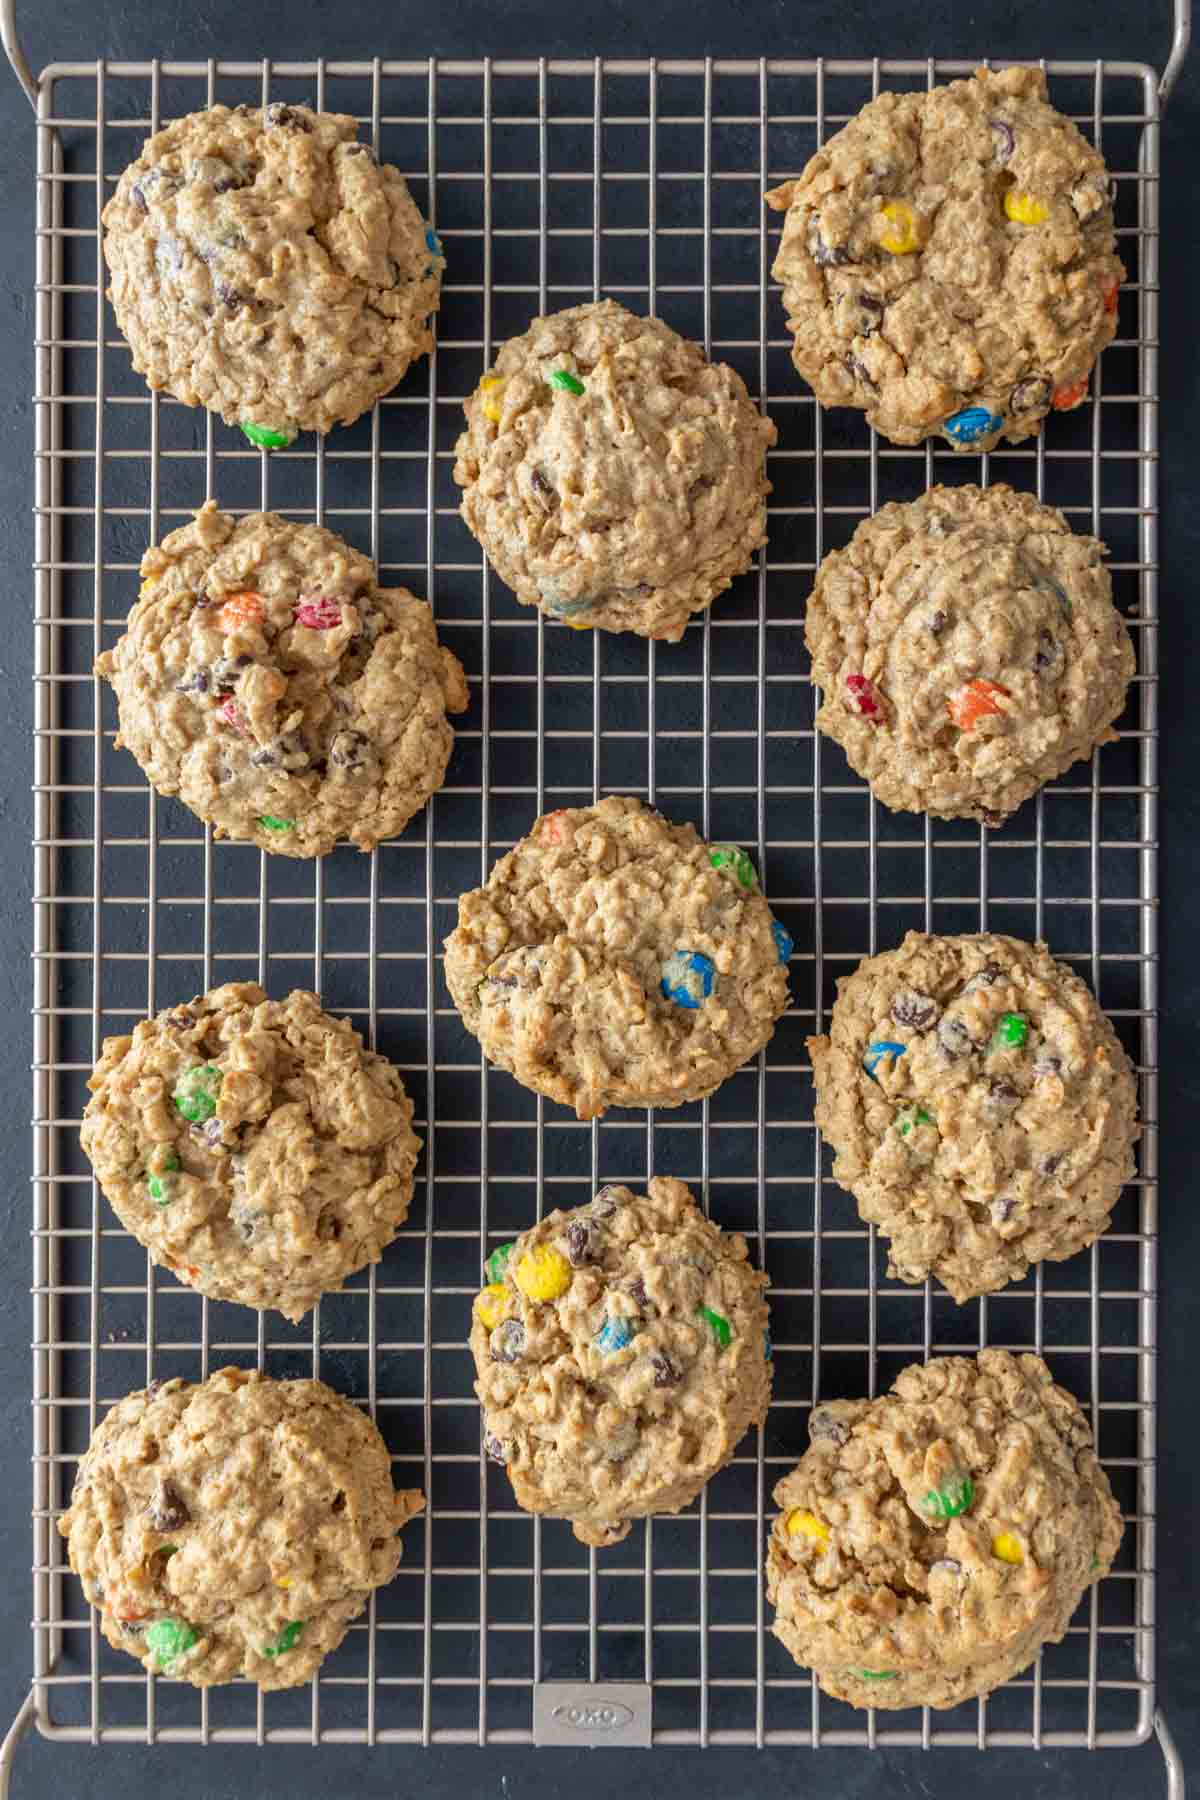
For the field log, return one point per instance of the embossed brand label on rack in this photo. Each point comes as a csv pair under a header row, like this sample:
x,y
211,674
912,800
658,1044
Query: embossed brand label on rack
x,y
610,1712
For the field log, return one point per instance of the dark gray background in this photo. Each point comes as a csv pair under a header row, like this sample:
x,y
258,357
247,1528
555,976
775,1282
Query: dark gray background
x,y
80,29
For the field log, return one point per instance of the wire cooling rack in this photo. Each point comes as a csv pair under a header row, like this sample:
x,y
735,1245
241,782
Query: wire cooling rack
x,y
552,182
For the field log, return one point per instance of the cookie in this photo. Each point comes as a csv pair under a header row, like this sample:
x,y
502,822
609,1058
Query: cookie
x,y
264,264
948,262
932,1540
234,1526
615,477
615,959
265,679
980,1106
253,1146
622,1353
968,650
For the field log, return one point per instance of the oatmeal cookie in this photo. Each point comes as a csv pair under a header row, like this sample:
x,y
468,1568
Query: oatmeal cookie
x,y
615,477
622,1353
982,1110
968,650
948,262
615,959
253,1146
234,1527
266,679
932,1540
264,264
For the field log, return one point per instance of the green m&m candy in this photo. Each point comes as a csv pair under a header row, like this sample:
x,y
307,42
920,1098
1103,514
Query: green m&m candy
x,y
287,1640
497,1262
1011,1032
196,1092
269,822
875,1674
717,1325
167,1639
569,384
949,1501
734,858
158,1184
268,437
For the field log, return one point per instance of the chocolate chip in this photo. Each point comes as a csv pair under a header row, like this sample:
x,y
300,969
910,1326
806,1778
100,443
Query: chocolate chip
x,y
226,672
1032,395
225,183
986,977
665,1373
494,1449
361,150
637,1293
138,198
154,1387
1005,141
347,749
911,1007
167,1510
1046,1165
210,1134
280,117
871,304
605,1204
946,1565
1003,1209
1002,1097
181,1018
825,255
1047,1065
329,1227
193,684
339,1502
231,298
990,819
578,1240
1047,653
954,1040
859,370
508,1341
827,1425
936,622
132,1627
545,490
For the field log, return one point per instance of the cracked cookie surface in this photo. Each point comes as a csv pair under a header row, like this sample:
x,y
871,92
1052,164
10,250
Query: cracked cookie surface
x,y
253,1146
933,1539
621,1351
980,1106
615,477
948,262
267,680
615,959
968,650
266,266
234,1527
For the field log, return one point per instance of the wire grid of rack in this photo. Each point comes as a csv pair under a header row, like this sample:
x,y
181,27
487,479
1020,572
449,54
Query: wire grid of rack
x,y
551,182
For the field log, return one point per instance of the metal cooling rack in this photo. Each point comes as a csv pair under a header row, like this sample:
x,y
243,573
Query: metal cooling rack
x,y
552,182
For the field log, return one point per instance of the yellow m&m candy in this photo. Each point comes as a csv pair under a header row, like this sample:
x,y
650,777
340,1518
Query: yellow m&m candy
x,y
493,385
492,1304
1023,209
543,1273
1007,1548
902,237
806,1524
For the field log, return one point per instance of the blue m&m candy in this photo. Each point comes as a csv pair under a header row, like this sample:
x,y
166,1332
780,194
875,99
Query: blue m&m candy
x,y
971,424
433,242
687,979
783,940
768,1347
613,1335
875,1053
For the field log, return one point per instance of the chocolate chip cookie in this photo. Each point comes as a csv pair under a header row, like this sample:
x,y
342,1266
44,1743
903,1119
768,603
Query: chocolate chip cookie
x,y
932,1540
253,1146
982,1110
622,1353
948,262
234,1527
264,264
615,959
615,477
267,680
968,650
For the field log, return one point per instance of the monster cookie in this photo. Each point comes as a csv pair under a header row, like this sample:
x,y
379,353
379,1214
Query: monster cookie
x,y
252,1145
932,1540
982,1111
622,1353
968,650
948,262
265,265
614,476
234,1527
266,679
614,959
